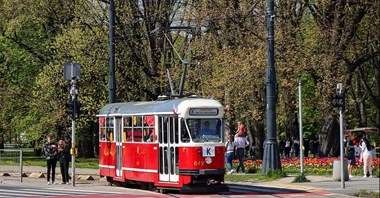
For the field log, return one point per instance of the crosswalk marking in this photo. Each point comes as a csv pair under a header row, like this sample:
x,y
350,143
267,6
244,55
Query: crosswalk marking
x,y
48,192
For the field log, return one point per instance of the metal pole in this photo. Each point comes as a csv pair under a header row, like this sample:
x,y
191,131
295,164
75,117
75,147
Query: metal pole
x,y
112,81
271,159
340,88
73,93
21,163
300,123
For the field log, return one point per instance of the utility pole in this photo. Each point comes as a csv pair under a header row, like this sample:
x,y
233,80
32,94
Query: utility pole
x,y
340,103
112,80
300,123
271,159
72,73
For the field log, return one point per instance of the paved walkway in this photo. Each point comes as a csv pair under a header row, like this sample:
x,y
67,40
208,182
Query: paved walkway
x,y
324,183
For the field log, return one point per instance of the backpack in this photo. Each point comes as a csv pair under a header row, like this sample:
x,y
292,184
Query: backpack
x,y
368,145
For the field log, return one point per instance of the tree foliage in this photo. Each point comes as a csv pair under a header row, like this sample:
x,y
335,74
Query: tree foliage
x,y
319,42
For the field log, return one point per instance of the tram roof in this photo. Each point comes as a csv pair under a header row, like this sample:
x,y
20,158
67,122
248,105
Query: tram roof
x,y
158,107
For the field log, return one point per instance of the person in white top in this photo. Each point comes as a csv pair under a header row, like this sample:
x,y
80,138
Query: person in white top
x,y
367,156
240,142
230,152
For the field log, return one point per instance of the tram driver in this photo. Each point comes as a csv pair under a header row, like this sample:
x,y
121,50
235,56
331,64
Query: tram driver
x,y
206,129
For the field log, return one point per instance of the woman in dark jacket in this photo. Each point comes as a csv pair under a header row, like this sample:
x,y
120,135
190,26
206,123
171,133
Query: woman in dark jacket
x,y
64,159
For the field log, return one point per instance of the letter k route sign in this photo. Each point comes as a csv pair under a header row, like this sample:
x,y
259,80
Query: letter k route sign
x,y
208,151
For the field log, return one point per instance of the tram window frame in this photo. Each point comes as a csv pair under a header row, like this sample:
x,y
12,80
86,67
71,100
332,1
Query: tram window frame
x,y
195,126
148,130
110,129
184,133
176,129
137,126
102,129
128,128
106,130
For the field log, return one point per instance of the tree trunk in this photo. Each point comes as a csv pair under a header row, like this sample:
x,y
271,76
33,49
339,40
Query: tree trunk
x,y
260,136
329,138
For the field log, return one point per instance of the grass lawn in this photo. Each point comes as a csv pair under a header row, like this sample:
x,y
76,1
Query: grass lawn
x,y
29,159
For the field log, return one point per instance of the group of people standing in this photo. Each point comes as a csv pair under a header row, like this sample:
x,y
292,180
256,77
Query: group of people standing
x,y
53,153
236,142
365,153
291,147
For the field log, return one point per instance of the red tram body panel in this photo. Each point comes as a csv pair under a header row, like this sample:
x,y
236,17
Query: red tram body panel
x,y
173,144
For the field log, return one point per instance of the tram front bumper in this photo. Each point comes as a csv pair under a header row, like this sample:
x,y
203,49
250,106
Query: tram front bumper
x,y
202,172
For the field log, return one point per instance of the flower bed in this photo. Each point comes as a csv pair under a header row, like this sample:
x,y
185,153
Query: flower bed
x,y
312,166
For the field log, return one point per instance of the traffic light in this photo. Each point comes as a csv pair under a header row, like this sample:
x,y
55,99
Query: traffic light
x,y
339,100
78,107
70,109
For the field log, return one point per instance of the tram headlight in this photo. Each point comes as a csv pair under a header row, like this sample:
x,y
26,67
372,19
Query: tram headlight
x,y
208,160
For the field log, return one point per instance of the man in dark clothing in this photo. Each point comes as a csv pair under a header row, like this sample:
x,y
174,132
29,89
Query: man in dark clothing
x,y
50,150
306,144
350,154
282,147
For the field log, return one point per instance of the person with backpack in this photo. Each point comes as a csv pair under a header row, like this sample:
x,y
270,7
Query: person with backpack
x,y
50,150
366,156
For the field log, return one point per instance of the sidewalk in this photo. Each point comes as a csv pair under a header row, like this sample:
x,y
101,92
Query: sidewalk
x,y
326,183
78,171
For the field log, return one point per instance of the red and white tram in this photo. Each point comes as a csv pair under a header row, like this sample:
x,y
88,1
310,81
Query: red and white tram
x,y
164,144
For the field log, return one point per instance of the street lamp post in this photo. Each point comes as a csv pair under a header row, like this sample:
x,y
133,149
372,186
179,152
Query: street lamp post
x,y
300,124
271,158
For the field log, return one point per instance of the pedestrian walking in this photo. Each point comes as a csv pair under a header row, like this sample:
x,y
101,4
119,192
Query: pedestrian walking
x,y
230,152
296,147
306,145
50,150
288,146
350,154
64,160
282,144
240,142
366,156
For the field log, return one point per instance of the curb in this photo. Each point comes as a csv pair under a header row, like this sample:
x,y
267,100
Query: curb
x,y
58,176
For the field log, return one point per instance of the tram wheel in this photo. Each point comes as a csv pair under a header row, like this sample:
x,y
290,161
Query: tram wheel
x,y
144,186
162,191
151,186
109,180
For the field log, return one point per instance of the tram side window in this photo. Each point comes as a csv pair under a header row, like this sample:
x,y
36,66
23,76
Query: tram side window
x,y
127,129
137,128
102,129
149,132
163,129
184,134
175,128
102,136
106,131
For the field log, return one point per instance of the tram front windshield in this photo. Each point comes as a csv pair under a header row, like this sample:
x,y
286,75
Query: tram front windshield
x,y
203,130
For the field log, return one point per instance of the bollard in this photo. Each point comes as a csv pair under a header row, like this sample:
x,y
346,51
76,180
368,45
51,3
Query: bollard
x,y
336,171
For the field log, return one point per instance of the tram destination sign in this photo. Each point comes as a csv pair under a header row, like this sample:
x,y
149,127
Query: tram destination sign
x,y
203,111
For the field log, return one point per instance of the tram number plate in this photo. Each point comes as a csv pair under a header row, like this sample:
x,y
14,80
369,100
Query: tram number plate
x,y
208,151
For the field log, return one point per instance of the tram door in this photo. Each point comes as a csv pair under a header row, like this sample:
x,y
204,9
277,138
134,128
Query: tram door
x,y
168,145
119,145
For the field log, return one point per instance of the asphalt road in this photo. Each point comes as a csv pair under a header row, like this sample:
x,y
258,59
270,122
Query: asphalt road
x,y
320,187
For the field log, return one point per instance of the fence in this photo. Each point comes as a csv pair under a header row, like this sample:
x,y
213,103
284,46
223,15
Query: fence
x,y
11,162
